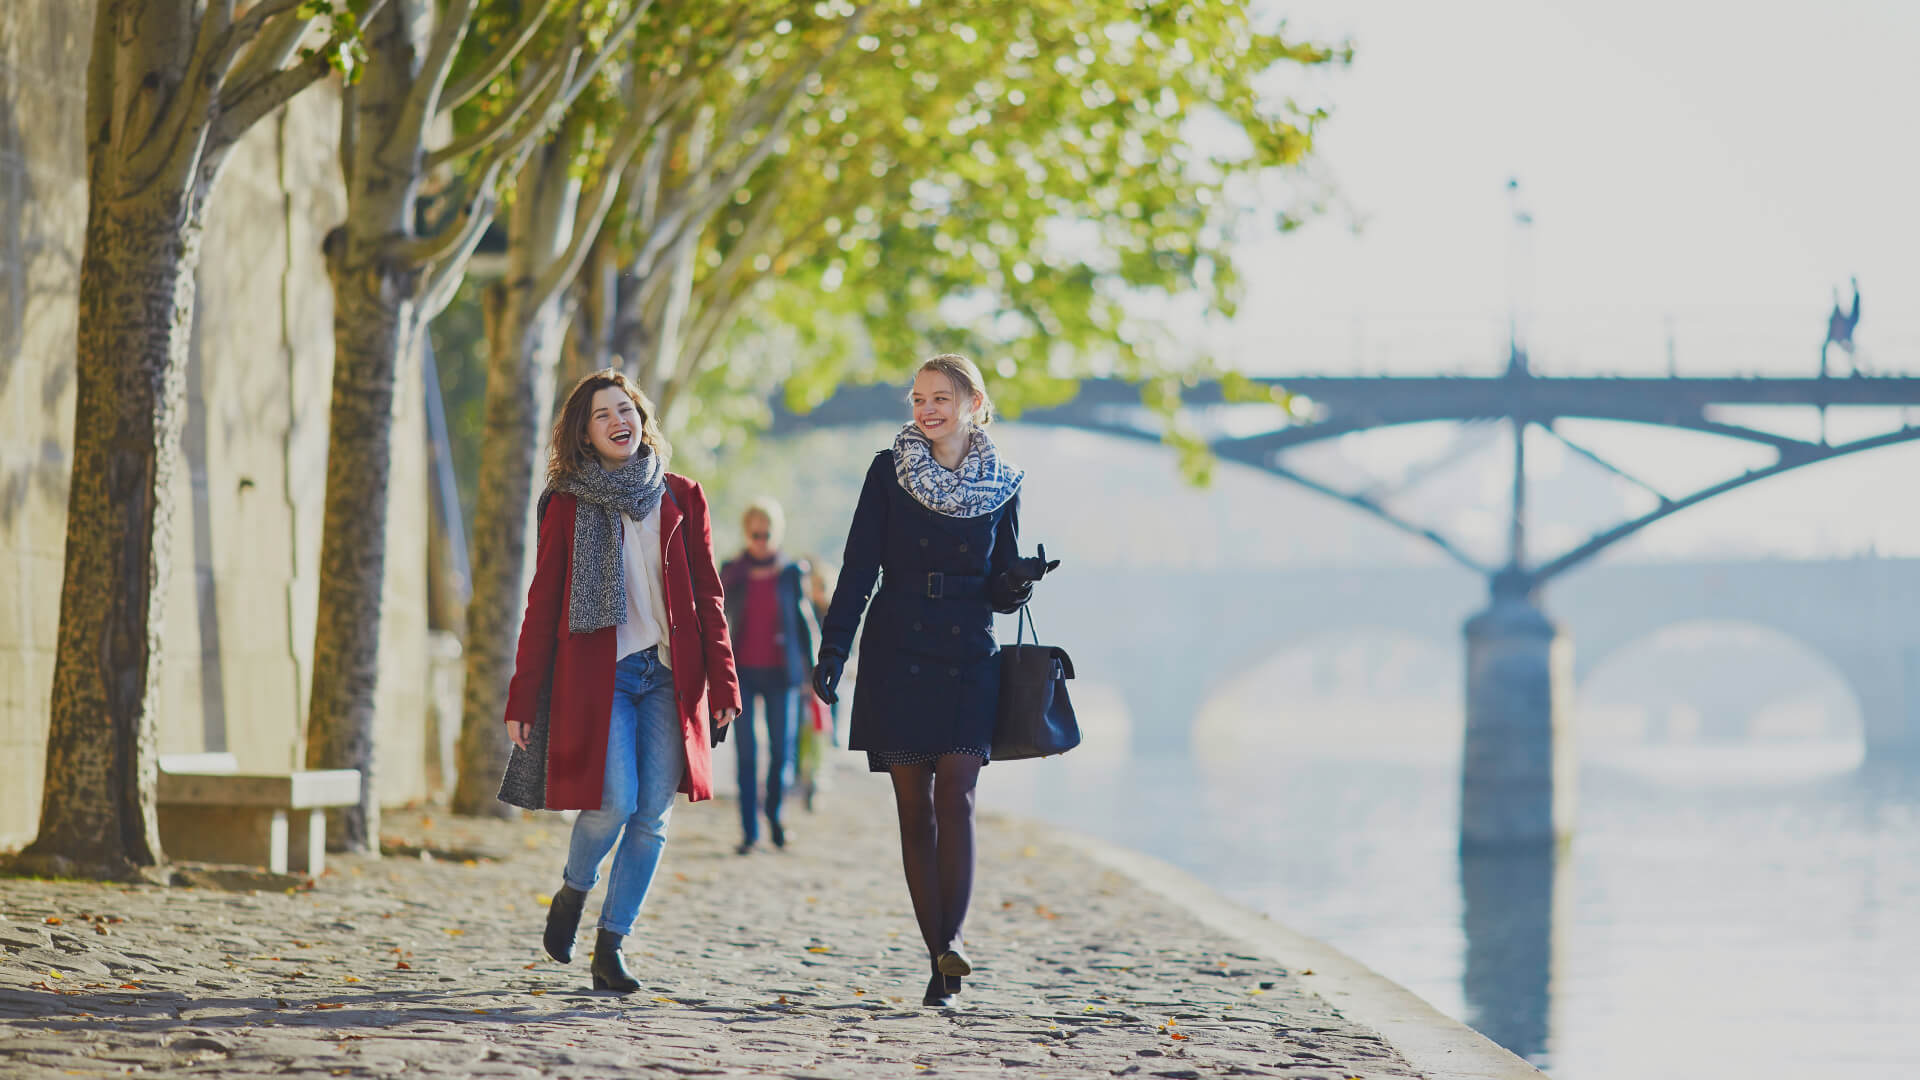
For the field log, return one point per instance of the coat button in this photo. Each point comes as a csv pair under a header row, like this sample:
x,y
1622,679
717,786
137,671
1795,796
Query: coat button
x,y
913,669
956,631
954,671
916,626
923,541
963,549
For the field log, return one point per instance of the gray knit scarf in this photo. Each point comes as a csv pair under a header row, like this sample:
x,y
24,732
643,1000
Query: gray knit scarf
x,y
599,595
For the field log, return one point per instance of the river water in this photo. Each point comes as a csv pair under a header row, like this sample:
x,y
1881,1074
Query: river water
x,y
1724,911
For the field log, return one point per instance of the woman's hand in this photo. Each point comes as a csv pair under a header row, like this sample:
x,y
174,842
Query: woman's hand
x,y
519,732
826,675
726,716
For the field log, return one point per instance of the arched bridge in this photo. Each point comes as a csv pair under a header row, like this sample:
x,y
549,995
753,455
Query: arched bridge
x,y
1250,427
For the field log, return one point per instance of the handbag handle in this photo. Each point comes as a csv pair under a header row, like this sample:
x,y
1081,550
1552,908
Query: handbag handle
x,y
1024,623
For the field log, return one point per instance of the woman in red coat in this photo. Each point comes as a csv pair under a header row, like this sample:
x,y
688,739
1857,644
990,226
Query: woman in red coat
x,y
623,654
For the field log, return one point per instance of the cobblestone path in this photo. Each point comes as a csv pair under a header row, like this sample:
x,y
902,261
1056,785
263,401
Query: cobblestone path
x,y
800,964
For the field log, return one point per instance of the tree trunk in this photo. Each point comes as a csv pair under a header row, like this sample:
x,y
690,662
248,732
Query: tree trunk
x,y
523,352
97,816
525,337
372,316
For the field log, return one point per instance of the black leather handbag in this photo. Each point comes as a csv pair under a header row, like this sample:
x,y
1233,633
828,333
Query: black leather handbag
x,y
1035,716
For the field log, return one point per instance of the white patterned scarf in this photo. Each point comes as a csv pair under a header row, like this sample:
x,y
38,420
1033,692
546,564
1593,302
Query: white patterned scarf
x,y
982,484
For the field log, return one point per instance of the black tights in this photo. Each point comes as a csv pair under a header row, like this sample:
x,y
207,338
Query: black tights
x,y
935,803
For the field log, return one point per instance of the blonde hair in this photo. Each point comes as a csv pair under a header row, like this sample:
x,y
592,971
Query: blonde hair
x,y
967,381
767,508
571,449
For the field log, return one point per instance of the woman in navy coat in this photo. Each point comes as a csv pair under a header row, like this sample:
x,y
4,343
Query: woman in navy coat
x,y
937,524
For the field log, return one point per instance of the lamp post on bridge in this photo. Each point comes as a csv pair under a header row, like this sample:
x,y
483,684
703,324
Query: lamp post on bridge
x,y
1517,767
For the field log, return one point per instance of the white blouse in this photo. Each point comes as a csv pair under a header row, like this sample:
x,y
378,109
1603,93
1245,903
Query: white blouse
x,y
646,623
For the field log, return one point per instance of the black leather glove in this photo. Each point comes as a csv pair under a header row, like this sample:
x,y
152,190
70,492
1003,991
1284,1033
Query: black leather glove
x,y
826,674
1032,569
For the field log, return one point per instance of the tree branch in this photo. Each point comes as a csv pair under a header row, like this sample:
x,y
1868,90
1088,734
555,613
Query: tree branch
x,y
586,227
245,108
423,98
268,95
463,90
504,124
251,50
599,58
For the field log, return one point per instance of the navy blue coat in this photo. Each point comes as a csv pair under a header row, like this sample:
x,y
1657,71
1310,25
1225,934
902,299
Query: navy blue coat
x,y
929,677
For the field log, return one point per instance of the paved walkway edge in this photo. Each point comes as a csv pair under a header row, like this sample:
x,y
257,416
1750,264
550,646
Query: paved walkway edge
x,y
1430,1041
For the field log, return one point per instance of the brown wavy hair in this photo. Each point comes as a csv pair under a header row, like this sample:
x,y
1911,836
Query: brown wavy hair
x,y
572,451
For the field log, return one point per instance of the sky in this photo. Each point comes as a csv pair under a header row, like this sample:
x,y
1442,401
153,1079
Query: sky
x,y
1723,164
1701,176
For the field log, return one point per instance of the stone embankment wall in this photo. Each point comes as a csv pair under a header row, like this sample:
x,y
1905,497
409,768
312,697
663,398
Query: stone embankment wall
x,y
246,546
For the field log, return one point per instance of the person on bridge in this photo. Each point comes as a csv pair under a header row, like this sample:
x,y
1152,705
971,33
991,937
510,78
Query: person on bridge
x,y
623,653
1840,328
768,611
939,512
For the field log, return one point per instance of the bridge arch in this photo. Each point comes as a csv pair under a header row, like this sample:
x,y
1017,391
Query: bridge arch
x,y
1718,697
1347,687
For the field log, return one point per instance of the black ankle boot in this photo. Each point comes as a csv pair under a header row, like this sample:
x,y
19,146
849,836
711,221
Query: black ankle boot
x,y
563,922
953,984
609,967
938,994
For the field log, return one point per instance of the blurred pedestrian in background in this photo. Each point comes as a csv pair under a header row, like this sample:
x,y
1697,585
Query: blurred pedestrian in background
x,y
939,512
819,722
623,652
772,624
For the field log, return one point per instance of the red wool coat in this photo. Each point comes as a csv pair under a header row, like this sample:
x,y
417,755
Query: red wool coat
x,y
582,665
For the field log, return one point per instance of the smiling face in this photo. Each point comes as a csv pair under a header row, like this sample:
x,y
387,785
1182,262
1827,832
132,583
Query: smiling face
x,y
937,409
613,426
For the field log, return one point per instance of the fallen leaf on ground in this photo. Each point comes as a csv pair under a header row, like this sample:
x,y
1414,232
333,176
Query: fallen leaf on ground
x,y
328,1005
819,949
53,920
402,965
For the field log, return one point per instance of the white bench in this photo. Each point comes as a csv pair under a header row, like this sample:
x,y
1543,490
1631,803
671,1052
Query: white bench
x,y
210,811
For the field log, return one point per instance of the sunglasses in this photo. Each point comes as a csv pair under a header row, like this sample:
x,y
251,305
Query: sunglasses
x,y
759,536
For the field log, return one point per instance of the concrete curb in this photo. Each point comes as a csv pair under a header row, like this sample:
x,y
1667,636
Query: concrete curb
x,y
1436,1044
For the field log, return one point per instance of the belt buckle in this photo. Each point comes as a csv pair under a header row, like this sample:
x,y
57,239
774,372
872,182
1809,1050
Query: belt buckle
x,y
936,585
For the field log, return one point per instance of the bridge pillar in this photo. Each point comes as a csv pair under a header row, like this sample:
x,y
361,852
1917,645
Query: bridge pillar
x,y
1517,770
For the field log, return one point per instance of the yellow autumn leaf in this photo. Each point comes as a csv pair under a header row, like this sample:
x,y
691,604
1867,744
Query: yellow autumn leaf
x,y
454,931
55,974
819,949
351,978
543,900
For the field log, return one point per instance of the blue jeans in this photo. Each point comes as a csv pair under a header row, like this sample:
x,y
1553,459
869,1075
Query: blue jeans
x,y
769,685
645,761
